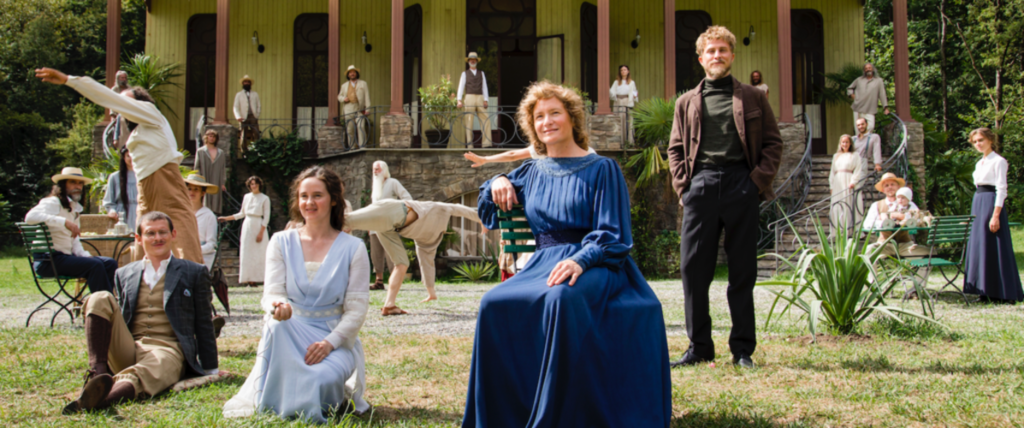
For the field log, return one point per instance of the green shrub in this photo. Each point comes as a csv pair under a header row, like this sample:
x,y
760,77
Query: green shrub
x,y
475,272
75,149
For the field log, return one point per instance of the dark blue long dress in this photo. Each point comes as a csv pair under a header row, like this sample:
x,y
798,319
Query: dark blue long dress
x,y
590,355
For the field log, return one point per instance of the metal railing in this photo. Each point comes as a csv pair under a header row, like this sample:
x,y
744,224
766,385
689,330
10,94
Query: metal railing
x,y
846,201
446,127
790,196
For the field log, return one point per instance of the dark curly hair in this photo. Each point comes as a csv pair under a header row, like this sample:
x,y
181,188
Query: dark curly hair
x,y
335,189
257,180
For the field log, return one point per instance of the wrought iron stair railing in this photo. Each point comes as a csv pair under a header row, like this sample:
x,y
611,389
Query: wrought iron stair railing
x,y
790,196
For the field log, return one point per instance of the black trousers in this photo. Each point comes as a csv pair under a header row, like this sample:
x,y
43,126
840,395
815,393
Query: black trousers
x,y
720,198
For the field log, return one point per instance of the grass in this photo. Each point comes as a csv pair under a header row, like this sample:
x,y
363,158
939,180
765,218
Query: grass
x,y
887,375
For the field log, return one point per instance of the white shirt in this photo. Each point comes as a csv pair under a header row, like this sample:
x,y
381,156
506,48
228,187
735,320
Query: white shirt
x,y
872,220
51,212
861,147
152,143
243,103
462,84
627,89
152,276
207,221
991,171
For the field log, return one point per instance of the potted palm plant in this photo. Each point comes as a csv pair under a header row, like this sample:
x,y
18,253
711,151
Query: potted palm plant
x,y
438,101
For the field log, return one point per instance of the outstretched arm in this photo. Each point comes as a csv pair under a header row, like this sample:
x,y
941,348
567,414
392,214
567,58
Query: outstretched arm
x,y
132,109
509,156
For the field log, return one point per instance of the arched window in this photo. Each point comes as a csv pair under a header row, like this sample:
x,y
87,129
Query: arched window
x,y
309,74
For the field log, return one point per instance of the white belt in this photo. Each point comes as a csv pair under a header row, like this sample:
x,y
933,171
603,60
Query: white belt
x,y
335,311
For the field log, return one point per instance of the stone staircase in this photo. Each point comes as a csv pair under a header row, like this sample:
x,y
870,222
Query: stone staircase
x,y
819,191
228,262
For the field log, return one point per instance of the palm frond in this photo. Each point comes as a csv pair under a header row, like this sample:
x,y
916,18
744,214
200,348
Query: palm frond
x,y
147,72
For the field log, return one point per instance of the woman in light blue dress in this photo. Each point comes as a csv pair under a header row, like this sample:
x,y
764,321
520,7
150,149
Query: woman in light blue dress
x,y
310,363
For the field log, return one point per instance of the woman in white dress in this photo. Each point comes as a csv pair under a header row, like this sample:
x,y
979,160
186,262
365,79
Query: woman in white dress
x,y
624,95
847,171
207,220
256,212
310,363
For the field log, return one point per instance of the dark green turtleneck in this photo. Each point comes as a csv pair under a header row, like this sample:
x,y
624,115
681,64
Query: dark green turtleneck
x,y
719,141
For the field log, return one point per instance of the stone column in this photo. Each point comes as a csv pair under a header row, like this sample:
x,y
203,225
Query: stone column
x,y
395,131
605,131
785,61
794,143
670,49
915,156
220,97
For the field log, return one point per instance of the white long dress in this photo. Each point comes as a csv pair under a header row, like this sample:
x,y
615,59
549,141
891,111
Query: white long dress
x,y
329,301
847,169
256,212
207,222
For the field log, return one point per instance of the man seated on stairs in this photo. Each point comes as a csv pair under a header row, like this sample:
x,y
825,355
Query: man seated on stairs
x,y
156,332
889,208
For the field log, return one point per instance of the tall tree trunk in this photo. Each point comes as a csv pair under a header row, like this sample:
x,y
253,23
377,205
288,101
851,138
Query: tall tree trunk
x,y
942,67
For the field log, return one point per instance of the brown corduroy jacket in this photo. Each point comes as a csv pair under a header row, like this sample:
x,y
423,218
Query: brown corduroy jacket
x,y
755,122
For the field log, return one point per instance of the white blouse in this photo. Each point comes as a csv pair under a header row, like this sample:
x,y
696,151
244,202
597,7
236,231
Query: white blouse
x,y
991,171
255,205
357,296
626,89
207,222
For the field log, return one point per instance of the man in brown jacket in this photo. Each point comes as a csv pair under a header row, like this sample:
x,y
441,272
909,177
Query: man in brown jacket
x,y
724,152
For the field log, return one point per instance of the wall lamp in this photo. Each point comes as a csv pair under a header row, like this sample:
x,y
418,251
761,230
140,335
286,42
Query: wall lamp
x,y
366,46
256,42
750,36
636,41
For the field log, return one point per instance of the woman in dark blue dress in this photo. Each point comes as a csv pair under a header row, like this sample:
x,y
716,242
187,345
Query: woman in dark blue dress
x,y
991,266
577,338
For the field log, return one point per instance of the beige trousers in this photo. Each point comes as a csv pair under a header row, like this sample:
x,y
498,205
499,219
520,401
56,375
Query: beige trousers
x,y
474,105
165,191
381,261
355,124
150,365
385,218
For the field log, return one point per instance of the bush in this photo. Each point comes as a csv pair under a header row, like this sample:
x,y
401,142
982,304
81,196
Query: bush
x,y
475,272
75,149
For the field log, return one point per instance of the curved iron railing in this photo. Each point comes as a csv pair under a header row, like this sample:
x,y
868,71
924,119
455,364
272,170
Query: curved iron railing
x,y
445,127
790,196
847,200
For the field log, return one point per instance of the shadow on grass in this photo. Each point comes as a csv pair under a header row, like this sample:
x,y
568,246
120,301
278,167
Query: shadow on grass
x,y
384,415
882,364
723,419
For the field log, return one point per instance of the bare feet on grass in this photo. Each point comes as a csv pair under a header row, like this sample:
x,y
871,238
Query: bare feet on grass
x,y
429,298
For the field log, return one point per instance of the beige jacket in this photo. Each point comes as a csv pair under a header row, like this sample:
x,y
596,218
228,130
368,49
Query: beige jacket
x,y
362,93
242,104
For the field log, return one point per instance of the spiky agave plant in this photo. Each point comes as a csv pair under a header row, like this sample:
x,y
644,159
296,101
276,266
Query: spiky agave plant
x,y
475,272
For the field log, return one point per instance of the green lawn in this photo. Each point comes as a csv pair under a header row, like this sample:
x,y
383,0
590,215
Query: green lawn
x,y
885,376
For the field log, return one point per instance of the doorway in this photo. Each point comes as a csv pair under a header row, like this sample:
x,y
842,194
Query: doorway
x,y
412,62
809,73
503,33
200,66
309,74
588,50
689,26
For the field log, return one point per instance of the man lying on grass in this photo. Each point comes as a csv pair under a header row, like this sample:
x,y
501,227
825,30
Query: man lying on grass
x,y
156,332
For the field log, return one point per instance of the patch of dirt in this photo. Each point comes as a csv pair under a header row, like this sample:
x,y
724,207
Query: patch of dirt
x,y
823,338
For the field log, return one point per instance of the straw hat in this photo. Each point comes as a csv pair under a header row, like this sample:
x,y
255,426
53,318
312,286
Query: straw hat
x,y
352,67
198,180
71,173
889,176
472,55
244,78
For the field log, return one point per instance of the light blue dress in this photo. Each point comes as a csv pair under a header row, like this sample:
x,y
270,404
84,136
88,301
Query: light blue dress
x,y
281,382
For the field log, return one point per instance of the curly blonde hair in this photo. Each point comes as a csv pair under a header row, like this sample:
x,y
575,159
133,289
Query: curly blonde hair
x,y
716,32
573,105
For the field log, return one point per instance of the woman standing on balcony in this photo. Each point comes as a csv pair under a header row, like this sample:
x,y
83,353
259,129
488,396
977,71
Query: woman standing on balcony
x,y
253,242
624,95
991,267
847,170
213,166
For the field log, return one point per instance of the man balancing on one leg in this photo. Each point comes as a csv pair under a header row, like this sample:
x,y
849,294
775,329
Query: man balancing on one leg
x,y
422,221
156,332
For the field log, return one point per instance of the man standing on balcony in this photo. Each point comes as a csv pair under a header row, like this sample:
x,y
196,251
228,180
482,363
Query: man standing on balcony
x,y
154,152
867,144
355,100
866,91
247,112
724,153
384,187
472,97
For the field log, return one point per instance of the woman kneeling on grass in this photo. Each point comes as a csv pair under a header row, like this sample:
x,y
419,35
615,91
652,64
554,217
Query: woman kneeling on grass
x,y
310,362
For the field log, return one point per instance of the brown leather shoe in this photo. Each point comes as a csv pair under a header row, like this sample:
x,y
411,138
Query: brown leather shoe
x,y
96,388
218,323
379,285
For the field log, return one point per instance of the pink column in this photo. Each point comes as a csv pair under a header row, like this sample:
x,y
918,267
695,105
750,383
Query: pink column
x,y
785,62
397,45
220,97
901,59
670,49
113,45
333,59
603,66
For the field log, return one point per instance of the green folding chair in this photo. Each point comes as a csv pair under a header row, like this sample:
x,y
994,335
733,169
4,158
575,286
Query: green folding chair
x,y
947,231
36,238
512,223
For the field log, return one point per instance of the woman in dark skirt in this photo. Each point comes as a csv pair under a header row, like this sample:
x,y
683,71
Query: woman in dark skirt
x,y
991,266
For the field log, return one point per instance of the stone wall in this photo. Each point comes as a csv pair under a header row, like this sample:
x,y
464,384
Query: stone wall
x,y
915,156
794,142
605,131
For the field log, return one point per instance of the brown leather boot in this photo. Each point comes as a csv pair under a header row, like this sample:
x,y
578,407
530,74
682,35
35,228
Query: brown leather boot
x,y
97,339
218,324
96,388
122,391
